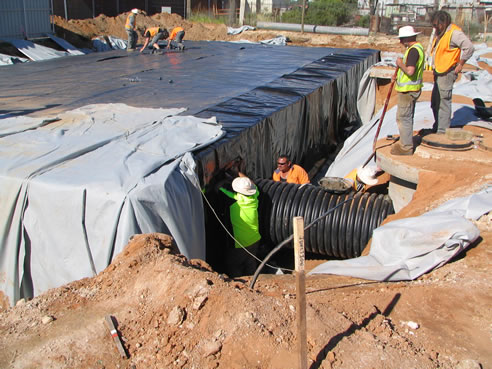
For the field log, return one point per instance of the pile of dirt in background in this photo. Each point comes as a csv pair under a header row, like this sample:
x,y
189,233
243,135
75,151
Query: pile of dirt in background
x,y
80,31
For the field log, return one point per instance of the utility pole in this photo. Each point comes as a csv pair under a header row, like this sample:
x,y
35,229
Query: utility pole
x,y
188,9
302,15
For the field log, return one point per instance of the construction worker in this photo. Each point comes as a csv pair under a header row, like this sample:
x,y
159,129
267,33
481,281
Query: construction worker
x,y
362,177
450,51
245,227
409,84
156,33
177,35
288,172
130,25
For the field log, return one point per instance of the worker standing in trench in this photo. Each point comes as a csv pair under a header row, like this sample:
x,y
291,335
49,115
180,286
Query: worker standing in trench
x,y
450,51
409,82
241,259
130,25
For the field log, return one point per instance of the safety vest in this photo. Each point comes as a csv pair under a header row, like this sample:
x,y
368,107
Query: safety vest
x,y
444,57
130,21
152,31
405,83
296,174
356,184
175,31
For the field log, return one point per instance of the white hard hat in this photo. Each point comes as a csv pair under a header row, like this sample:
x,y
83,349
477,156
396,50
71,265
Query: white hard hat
x,y
367,175
407,31
135,11
244,186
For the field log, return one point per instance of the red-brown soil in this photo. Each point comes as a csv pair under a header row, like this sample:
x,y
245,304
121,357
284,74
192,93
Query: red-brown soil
x,y
177,313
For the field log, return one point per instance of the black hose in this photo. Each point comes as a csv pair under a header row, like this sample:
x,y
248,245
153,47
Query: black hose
x,y
286,241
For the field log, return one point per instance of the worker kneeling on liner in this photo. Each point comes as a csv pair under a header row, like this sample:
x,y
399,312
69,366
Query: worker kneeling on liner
x,y
409,82
156,34
241,260
176,35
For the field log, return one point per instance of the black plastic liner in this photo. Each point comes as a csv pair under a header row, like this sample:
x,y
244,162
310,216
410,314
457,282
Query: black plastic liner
x,y
343,233
303,114
270,99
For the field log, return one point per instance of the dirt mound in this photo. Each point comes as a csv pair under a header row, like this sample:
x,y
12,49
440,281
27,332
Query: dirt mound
x,y
177,313
75,30
80,32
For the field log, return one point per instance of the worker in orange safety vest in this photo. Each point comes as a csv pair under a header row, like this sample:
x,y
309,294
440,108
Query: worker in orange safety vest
x,y
450,51
156,34
176,35
288,172
130,25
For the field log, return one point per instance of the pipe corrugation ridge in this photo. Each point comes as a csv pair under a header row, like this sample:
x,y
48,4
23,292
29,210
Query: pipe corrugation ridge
x,y
343,233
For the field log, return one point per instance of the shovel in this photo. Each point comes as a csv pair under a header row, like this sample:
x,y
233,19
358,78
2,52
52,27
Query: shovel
x,y
385,107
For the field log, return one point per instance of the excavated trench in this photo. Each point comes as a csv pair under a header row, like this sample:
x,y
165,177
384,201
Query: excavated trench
x,y
344,225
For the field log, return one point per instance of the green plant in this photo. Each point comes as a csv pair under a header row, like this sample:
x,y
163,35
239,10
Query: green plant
x,y
364,21
323,13
205,18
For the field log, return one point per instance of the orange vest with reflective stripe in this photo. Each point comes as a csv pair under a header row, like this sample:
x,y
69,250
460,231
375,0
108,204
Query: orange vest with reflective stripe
x,y
445,57
130,22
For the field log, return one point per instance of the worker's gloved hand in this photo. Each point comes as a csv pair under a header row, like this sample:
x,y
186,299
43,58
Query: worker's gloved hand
x,y
219,184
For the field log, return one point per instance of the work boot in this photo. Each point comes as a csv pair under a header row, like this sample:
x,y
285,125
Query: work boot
x,y
181,47
426,131
396,149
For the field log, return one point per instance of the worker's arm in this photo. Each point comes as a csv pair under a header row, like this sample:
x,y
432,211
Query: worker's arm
x,y
408,70
145,44
300,174
230,194
170,38
460,40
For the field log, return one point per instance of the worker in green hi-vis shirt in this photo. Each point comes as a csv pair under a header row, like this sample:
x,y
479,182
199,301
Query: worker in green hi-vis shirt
x,y
241,259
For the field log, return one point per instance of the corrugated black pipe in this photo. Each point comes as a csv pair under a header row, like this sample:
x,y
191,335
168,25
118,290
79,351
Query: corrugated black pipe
x,y
343,233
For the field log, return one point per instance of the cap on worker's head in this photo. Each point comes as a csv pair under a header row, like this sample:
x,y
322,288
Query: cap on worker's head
x,y
407,31
243,185
367,175
135,11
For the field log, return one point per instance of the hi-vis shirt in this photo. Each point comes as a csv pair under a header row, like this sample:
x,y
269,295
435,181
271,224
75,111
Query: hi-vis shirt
x,y
405,83
130,22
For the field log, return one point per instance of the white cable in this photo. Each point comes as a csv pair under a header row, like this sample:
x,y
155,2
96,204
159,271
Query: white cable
x,y
239,243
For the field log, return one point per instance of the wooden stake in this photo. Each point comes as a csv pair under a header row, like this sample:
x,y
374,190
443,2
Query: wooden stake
x,y
300,256
115,335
